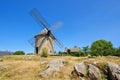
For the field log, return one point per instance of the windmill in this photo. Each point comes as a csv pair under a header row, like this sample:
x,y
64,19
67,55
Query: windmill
x,y
45,38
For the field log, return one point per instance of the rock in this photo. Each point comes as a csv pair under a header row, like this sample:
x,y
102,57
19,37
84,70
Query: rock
x,y
94,72
1,59
56,64
43,62
28,58
52,67
47,73
79,72
96,62
3,67
81,69
113,71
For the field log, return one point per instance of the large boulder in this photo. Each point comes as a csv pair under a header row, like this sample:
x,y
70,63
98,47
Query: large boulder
x,y
52,67
81,69
56,64
94,72
79,72
113,71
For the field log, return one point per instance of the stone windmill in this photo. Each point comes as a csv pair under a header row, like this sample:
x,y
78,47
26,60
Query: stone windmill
x,y
45,39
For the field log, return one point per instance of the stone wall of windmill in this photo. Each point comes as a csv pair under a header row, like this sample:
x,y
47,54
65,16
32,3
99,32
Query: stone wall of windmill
x,y
41,43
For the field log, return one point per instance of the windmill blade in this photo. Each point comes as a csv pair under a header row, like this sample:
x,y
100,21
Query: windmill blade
x,y
37,16
56,26
57,41
32,42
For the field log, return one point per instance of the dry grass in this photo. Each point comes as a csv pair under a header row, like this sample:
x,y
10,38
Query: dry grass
x,y
20,68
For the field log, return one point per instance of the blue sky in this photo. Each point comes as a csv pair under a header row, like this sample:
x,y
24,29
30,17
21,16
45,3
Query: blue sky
x,y
84,21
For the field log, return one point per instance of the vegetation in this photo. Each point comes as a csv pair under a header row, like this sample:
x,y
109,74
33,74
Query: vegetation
x,y
44,52
77,54
86,49
19,53
101,48
30,53
116,52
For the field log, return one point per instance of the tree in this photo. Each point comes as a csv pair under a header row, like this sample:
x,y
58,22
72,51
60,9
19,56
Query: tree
x,y
102,48
19,53
75,46
44,52
116,51
86,49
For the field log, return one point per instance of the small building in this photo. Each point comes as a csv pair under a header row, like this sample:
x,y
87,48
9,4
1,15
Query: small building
x,y
69,50
3,53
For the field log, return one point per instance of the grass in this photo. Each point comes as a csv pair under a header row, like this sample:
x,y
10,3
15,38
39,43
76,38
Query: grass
x,y
21,68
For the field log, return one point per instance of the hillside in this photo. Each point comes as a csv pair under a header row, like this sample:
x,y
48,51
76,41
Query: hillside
x,y
28,67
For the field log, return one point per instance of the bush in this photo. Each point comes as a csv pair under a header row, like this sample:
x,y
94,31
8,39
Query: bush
x,y
44,52
19,53
83,53
77,54
29,53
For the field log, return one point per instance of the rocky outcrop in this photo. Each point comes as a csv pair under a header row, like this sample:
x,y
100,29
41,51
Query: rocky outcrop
x,y
52,68
80,71
85,72
113,71
91,71
94,72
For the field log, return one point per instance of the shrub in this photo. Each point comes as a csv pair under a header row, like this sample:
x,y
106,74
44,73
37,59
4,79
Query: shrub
x,y
44,52
19,53
30,53
77,54
83,53
62,53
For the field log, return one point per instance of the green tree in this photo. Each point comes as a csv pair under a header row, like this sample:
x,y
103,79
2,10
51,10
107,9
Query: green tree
x,y
102,48
86,49
75,46
116,51
19,53
44,52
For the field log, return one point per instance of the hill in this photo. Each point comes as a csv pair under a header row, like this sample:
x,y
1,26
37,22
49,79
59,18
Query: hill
x,y
27,67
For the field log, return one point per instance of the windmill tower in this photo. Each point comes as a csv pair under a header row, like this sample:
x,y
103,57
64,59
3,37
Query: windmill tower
x,y
45,39
42,40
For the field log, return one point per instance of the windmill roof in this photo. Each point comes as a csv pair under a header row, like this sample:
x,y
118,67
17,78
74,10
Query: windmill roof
x,y
43,32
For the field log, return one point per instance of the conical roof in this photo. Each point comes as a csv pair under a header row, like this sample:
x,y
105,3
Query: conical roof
x,y
44,31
